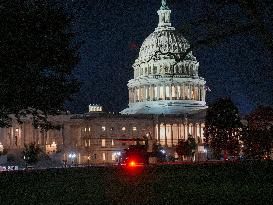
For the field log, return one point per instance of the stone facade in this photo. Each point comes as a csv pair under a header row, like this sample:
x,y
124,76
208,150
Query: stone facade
x,y
99,138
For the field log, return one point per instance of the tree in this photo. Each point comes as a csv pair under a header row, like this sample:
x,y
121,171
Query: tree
x,y
31,153
37,55
222,19
159,152
223,128
186,147
257,136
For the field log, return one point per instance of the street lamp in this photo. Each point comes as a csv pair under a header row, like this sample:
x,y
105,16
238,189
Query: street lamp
x,y
72,156
88,158
1,148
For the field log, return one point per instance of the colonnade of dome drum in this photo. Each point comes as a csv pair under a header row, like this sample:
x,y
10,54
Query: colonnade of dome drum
x,y
167,92
181,69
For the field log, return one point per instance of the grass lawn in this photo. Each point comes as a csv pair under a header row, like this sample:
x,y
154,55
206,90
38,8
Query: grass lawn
x,y
238,183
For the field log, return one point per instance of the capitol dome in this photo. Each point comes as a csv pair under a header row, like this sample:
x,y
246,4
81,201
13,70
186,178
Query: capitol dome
x,y
164,41
165,80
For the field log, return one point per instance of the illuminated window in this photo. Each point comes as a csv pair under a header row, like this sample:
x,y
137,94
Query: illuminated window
x,y
134,128
16,130
113,143
89,142
137,93
85,143
111,128
89,129
167,91
173,92
85,129
123,128
190,129
103,128
114,155
103,156
103,142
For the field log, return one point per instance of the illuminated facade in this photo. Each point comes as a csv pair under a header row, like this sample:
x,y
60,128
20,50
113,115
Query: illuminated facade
x,y
165,82
166,104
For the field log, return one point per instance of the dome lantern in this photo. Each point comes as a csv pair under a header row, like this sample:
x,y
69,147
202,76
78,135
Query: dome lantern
x,y
164,16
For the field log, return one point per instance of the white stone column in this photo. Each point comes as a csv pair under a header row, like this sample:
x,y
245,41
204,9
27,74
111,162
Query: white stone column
x,y
186,131
172,135
171,92
164,92
165,128
203,93
142,93
134,95
146,91
152,92
176,91
181,92
158,92
190,86
158,132
200,93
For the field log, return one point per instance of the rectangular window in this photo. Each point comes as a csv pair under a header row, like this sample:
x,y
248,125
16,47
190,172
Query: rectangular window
x,y
103,156
89,142
114,156
113,143
134,128
85,129
89,129
103,128
103,142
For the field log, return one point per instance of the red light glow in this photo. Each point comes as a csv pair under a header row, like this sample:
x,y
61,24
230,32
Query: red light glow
x,y
132,164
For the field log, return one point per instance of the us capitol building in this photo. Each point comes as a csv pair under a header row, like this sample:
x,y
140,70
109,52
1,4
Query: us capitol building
x,y
166,103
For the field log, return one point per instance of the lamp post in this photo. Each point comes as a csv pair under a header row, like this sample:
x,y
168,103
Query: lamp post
x,y
72,156
1,148
88,159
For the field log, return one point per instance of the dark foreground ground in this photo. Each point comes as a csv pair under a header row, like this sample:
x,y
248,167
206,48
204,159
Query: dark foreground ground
x,y
238,183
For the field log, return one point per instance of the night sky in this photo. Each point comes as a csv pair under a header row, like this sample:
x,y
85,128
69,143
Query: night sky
x,y
110,30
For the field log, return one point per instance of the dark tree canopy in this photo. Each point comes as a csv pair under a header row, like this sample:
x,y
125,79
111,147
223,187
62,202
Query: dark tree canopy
x,y
31,153
222,127
261,118
258,134
37,56
222,19
186,147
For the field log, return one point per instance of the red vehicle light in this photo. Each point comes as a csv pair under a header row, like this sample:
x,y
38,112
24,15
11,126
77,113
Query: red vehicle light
x,y
132,164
